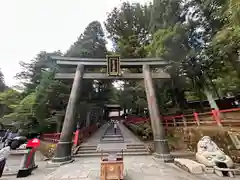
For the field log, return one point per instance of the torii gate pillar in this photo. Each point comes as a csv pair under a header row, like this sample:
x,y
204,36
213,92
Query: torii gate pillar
x,y
160,142
64,146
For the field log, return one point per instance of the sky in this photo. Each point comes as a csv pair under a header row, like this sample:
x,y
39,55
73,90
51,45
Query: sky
x,y
30,26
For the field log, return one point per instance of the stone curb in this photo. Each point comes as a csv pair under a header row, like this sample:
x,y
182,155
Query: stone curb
x,y
51,164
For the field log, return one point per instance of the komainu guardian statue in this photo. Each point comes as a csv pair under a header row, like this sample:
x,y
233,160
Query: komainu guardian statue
x,y
209,154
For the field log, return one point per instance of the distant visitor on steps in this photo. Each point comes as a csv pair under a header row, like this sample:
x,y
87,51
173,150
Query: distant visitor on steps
x,y
115,128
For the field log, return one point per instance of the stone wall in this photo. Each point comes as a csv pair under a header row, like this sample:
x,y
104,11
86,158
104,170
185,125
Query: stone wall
x,y
187,138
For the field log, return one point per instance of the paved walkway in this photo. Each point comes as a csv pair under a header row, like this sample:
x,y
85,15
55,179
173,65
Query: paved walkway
x,y
128,136
136,167
96,137
38,174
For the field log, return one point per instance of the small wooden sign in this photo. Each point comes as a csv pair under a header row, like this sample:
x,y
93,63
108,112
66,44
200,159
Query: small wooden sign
x,y
113,65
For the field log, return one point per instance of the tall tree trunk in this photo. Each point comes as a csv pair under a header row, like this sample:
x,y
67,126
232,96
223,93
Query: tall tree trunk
x,y
213,85
210,98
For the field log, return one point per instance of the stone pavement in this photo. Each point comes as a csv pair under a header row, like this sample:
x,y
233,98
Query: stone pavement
x,y
96,137
137,168
37,174
128,136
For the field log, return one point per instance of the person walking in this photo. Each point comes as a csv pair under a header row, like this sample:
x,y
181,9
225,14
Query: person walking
x,y
115,128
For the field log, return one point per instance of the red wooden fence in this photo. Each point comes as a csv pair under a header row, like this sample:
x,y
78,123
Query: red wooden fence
x,y
78,136
214,117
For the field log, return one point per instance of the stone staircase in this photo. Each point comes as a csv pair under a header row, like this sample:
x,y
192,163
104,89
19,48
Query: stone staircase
x,y
110,137
112,140
91,151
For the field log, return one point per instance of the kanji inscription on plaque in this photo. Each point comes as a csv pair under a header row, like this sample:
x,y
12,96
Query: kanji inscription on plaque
x,y
113,65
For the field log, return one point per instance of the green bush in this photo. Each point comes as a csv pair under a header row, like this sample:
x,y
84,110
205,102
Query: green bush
x,y
143,130
47,149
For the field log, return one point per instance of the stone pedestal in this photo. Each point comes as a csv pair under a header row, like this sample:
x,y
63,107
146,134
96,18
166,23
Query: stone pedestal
x,y
162,151
189,165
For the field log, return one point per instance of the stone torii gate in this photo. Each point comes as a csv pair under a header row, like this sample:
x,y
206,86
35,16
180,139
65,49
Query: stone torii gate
x,y
67,70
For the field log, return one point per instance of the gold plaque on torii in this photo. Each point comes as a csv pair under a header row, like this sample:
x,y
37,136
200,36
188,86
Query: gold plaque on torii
x,y
113,66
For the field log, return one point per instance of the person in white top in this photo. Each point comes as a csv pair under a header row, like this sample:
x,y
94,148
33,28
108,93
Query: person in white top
x,y
115,128
4,153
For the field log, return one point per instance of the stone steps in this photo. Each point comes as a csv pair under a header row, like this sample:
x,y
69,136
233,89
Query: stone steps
x,y
110,137
132,146
127,150
112,133
107,136
98,154
112,140
132,149
111,130
88,148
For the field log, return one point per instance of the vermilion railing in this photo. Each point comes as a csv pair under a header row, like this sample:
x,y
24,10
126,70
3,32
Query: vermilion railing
x,y
78,136
50,137
214,117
